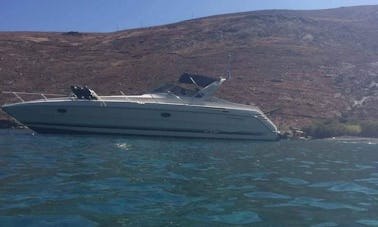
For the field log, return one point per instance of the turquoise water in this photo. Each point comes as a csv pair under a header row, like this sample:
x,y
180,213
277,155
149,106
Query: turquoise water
x,y
63,180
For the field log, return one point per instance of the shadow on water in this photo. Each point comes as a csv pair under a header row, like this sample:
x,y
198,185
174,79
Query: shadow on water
x,y
92,180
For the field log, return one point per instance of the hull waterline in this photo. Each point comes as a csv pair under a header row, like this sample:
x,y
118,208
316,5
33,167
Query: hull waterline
x,y
97,117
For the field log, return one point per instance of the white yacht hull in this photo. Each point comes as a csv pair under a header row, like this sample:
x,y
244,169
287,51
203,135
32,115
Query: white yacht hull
x,y
140,118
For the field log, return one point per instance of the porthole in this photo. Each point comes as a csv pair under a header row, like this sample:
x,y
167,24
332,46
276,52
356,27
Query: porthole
x,y
165,115
61,110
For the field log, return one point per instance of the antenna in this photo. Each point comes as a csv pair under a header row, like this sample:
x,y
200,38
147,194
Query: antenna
x,y
229,66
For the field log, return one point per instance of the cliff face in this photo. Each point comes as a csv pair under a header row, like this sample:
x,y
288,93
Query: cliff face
x,y
310,64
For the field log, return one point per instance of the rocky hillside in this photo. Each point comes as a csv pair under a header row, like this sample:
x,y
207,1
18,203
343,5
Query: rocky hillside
x,y
309,64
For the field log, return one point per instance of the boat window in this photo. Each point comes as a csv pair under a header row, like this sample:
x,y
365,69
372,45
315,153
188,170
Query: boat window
x,y
177,90
163,88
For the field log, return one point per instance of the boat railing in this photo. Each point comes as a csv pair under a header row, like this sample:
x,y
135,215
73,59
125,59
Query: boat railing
x,y
19,94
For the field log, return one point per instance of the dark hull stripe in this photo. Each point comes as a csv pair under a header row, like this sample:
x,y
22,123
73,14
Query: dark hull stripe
x,y
40,127
73,132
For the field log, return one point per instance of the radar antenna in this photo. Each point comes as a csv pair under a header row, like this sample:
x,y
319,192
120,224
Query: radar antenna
x,y
228,69
228,66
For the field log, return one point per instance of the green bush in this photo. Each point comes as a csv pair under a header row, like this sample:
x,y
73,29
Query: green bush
x,y
369,128
332,128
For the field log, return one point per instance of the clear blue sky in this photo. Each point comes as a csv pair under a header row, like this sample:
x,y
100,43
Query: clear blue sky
x,y
112,15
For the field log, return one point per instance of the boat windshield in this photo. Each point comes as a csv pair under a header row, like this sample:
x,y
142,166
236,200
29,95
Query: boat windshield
x,y
175,89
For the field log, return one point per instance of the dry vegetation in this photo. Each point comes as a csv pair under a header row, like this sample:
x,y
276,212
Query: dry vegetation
x,y
311,64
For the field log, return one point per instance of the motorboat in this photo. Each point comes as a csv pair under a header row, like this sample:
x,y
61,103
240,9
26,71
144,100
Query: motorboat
x,y
187,108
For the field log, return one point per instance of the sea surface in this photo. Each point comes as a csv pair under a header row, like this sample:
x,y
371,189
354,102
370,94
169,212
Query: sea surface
x,y
66,180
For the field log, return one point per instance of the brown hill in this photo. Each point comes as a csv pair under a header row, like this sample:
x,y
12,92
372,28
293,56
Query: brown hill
x,y
310,64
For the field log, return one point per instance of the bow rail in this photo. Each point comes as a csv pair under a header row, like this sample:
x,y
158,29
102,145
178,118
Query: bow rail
x,y
18,94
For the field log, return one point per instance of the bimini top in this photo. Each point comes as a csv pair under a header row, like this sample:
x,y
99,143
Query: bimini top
x,y
200,80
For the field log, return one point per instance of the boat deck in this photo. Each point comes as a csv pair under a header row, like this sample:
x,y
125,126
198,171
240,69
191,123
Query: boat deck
x,y
172,99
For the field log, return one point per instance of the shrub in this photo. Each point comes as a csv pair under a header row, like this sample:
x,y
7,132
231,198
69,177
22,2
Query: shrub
x,y
369,128
332,128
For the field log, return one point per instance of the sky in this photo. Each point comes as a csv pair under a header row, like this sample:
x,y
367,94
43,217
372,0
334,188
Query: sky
x,y
114,15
